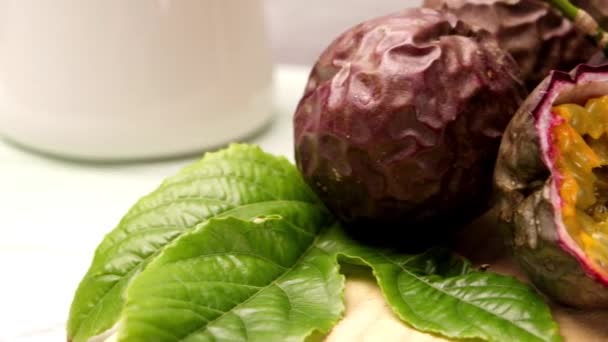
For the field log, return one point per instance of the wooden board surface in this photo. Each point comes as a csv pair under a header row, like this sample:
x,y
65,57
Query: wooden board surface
x,y
368,318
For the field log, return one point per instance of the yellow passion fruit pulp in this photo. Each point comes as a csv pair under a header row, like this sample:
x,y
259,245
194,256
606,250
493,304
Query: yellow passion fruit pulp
x,y
581,157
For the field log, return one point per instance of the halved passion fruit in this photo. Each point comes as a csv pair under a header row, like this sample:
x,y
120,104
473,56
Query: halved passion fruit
x,y
552,175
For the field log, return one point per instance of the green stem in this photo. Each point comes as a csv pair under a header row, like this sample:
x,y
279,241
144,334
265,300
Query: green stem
x,y
566,7
583,22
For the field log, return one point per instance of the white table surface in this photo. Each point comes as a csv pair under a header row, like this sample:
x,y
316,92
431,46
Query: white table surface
x,y
54,213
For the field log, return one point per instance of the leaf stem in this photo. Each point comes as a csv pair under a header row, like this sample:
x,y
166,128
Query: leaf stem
x,y
584,22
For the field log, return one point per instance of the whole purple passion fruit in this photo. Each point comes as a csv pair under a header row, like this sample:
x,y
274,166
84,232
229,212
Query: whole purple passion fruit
x,y
552,179
536,35
401,121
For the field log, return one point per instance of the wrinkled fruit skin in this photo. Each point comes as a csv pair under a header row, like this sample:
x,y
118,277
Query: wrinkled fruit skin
x,y
597,8
538,37
598,58
524,182
401,121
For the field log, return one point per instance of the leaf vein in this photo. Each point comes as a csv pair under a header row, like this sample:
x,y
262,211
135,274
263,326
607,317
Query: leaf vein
x,y
86,313
254,295
437,288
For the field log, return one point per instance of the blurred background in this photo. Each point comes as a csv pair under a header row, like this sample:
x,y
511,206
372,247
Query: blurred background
x,y
300,30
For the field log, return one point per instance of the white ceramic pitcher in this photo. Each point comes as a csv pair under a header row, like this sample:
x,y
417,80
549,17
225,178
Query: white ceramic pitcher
x,y
117,79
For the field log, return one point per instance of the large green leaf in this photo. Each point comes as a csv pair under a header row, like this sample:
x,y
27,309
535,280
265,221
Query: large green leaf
x,y
439,293
239,181
235,280
237,247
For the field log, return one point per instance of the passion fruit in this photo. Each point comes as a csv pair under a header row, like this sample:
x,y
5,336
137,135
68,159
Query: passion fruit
x,y
401,120
536,35
552,180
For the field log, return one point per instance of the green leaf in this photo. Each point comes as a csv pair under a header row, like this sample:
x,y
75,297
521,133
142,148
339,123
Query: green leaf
x,y
439,293
241,181
236,280
237,247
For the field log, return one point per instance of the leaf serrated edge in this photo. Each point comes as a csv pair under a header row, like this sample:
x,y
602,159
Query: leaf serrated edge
x,y
226,153
314,244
